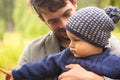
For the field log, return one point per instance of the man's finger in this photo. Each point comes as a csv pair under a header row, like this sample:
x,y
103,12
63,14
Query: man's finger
x,y
70,66
66,79
62,76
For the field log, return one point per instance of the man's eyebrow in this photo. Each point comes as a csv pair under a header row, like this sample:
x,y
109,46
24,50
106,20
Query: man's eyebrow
x,y
66,12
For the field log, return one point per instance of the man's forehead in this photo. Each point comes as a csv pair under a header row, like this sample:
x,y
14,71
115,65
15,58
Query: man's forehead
x,y
47,15
43,10
52,9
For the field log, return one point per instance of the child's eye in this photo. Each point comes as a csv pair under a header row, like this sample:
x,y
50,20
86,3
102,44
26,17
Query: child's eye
x,y
76,40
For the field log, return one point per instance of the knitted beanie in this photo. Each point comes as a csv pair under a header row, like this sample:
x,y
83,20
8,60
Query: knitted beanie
x,y
93,24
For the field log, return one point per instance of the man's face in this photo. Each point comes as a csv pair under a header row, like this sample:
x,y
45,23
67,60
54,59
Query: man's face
x,y
57,20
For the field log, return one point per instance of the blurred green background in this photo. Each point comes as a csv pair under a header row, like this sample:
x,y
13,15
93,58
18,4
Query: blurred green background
x,y
19,24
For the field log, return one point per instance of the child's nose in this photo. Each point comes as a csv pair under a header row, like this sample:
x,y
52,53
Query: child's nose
x,y
71,45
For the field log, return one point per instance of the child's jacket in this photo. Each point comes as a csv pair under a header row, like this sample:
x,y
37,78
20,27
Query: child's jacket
x,y
104,64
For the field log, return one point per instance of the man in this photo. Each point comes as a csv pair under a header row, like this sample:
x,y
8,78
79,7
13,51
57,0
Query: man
x,y
55,13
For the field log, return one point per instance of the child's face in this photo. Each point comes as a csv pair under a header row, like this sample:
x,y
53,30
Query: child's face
x,y
81,48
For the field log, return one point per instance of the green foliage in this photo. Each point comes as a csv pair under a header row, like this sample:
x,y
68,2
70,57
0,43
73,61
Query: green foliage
x,y
84,3
10,49
27,21
2,29
6,14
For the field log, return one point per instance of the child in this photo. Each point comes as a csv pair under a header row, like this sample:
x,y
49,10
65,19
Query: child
x,y
88,30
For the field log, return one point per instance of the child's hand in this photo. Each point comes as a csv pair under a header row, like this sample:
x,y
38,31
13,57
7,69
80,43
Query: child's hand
x,y
8,74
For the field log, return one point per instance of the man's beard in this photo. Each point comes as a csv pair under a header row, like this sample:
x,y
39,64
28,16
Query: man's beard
x,y
61,34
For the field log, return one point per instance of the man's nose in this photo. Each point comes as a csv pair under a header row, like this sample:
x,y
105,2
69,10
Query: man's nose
x,y
63,23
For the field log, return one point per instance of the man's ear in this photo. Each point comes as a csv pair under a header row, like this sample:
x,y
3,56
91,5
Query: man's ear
x,y
75,3
41,17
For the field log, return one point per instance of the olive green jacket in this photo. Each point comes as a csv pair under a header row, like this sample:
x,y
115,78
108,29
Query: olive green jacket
x,y
39,48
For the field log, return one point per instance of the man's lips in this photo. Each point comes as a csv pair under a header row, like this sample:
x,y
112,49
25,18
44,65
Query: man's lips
x,y
62,30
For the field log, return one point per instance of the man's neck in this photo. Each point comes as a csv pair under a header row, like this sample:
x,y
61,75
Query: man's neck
x,y
64,42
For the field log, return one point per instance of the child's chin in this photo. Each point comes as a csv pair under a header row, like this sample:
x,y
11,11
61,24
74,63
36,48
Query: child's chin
x,y
77,56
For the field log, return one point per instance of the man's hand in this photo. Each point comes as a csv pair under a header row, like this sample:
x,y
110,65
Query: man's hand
x,y
76,72
7,73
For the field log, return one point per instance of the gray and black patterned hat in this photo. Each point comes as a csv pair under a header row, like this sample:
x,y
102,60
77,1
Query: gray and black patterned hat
x,y
93,24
